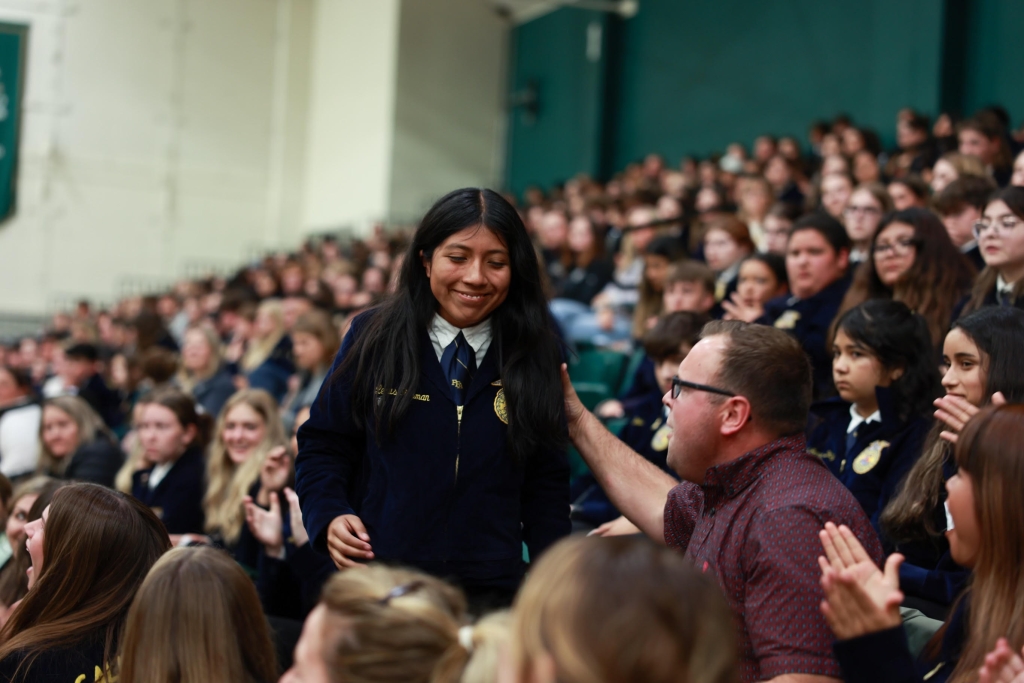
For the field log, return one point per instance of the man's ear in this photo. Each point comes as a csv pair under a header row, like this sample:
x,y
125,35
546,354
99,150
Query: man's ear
x,y
736,413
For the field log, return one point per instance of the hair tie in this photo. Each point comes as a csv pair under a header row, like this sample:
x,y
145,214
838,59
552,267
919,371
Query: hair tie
x,y
466,638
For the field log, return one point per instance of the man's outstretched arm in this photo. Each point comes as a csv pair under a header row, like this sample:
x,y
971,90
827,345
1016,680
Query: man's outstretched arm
x,y
635,485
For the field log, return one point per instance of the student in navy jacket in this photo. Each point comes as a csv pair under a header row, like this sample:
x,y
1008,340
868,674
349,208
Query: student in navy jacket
x,y
983,356
984,509
886,375
817,259
439,437
173,435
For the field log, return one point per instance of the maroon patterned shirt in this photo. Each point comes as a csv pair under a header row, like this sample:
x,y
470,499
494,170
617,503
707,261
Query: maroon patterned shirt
x,y
754,523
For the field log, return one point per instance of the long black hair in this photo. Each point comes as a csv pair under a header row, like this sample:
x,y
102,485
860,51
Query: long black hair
x,y
998,332
386,352
899,338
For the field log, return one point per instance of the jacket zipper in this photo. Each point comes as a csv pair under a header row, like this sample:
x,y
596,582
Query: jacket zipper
x,y
455,483
458,443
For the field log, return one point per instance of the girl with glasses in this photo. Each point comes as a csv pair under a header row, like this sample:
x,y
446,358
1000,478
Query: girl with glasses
x,y
868,203
1000,236
914,261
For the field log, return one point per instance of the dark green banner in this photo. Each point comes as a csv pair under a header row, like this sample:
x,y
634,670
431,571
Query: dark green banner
x,y
13,44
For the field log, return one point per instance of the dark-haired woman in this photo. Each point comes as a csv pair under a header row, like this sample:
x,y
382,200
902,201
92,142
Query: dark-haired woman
x,y
90,551
438,440
914,261
884,372
984,358
1000,235
173,436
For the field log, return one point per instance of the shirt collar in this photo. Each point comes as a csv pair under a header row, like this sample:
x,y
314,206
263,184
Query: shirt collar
x,y
856,420
1002,286
734,476
478,335
967,246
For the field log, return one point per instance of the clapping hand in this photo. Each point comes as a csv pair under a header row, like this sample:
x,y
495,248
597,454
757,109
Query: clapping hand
x,y
266,525
1002,665
299,535
859,598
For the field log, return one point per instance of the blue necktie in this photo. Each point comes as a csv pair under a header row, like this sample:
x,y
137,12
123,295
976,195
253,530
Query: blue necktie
x,y
1003,296
459,364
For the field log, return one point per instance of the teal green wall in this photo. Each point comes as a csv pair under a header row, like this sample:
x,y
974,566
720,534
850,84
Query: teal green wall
x,y
565,138
994,72
688,77
698,75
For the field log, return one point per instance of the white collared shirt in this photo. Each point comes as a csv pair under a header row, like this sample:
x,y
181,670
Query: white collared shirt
x,y
967,246
1002,286
856,420
157,475
442,333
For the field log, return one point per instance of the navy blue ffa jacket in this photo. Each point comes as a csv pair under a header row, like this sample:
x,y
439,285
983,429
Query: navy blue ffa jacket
x,y
809,321
646,433
882,454
441,494
178,499
929,571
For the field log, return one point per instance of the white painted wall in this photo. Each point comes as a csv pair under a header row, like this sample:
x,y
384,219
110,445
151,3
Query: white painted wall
x,y
449,113
352,113
159,137
165,138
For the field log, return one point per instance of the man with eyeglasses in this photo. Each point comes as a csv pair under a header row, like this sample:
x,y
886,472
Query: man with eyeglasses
x,y
752,500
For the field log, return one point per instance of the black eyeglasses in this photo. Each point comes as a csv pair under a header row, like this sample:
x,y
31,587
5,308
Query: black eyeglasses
x,y
678,384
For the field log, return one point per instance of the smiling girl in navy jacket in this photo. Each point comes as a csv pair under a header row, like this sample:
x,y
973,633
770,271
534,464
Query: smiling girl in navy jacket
x,y
439,438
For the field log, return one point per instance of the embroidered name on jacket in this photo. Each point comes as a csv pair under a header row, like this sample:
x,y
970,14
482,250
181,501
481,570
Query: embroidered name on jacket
x,y
394,392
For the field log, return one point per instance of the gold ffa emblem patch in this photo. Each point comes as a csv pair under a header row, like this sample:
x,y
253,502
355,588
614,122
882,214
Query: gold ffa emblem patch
x,y
869,457
788,320
659,441
500,408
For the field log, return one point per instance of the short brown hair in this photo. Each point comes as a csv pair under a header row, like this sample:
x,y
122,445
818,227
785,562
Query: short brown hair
x,y
691,271
672,330
659,620
965,191
319,324
734,228
767,367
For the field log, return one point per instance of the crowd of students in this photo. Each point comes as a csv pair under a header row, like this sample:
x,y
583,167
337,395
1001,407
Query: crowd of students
x,y
173,421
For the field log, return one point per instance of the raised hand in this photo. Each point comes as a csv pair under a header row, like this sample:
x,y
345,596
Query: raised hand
x,y
1002,665
737,310
299,535
266,525
956,411
348,542
274,473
